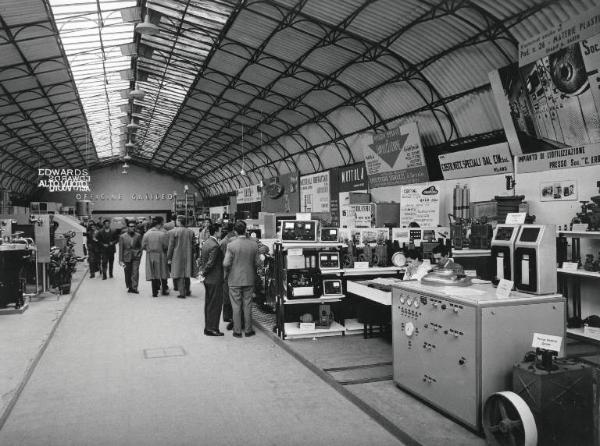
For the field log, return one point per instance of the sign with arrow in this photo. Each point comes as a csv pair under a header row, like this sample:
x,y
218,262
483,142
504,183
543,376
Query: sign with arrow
x,y
396,157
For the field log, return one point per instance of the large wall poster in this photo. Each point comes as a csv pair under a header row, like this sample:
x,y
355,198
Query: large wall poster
x,y
314,192
281,194
551,99
396,157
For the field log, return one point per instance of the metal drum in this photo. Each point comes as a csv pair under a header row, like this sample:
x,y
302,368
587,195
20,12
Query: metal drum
x,y
83,208
12,260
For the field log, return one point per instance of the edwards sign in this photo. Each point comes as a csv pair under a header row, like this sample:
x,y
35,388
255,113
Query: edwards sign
x,y
396,157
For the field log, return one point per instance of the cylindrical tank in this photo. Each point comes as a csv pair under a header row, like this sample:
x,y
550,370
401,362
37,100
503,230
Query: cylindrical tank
x,y
12,260
83,208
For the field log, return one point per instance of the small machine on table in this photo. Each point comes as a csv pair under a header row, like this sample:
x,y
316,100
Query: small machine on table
x,y
455,346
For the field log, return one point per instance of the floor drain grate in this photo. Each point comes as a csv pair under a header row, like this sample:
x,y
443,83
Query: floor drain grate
x,y
167,352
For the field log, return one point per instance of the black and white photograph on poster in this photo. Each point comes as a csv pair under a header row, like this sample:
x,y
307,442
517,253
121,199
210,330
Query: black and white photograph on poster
x,y
553,97
564,190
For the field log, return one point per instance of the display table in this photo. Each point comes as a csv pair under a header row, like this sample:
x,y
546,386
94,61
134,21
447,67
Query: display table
x,y
377,301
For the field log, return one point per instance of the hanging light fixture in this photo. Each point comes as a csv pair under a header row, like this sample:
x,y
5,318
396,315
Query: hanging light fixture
x,y
127,157
129,144
125,165
242,171
132,125
146,27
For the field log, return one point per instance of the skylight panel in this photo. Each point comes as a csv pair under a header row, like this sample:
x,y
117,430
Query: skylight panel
x,y
91,33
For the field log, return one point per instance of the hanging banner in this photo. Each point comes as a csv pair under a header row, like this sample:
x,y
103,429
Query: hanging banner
x,y
583,156
314,192
249,194
334,196
419,204
551,99
396,157
560,36
489,160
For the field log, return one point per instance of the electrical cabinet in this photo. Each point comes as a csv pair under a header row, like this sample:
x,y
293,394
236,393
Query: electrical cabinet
x,y
454,346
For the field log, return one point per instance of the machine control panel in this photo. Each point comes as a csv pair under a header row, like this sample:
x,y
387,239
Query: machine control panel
x,y
436,345
329,260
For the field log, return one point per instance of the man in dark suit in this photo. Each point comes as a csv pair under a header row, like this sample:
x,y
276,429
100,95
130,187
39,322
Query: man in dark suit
x,y
240,263
130,253
227,235
107,240
212,269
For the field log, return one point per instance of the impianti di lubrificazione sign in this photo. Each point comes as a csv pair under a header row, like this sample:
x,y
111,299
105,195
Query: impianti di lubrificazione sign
x,y
64,180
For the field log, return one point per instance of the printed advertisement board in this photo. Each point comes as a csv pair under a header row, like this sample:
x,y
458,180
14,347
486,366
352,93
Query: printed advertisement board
x,y
396,157
419,203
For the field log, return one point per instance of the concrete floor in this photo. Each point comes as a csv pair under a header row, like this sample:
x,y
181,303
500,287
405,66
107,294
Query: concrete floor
x,y
124,369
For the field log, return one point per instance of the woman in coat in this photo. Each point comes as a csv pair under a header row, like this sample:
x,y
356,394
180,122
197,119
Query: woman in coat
x,y
155,242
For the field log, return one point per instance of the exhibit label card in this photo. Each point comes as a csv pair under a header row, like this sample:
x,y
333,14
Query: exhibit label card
x,y
546,342
504,289
515,218
570,266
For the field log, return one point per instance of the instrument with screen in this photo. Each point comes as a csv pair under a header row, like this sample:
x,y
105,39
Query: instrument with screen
x,y
299,231
332,287
504,233
329,234
329,260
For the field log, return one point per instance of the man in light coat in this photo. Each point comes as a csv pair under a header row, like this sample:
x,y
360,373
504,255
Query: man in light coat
x,y
212,270
240,264
156,242
130,253
180,255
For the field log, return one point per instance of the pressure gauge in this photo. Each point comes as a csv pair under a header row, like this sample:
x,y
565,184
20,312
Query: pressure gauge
x,y
416,303
409,329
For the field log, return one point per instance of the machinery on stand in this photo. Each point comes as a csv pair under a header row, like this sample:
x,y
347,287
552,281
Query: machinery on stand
x,y
15,252
589,214
503,252
535,259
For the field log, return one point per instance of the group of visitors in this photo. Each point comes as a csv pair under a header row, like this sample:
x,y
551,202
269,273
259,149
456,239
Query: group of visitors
x,y
228,261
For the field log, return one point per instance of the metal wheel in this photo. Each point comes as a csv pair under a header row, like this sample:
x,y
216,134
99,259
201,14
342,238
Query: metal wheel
x,y
507,420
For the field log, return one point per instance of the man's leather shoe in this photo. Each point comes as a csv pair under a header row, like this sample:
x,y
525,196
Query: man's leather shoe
x,y
129,290
237,335
250,333
213,333
165,293
155,295
181,297
230,326
134,291
188,293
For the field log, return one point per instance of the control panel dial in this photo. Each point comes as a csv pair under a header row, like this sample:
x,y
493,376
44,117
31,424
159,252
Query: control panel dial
x,y
409,329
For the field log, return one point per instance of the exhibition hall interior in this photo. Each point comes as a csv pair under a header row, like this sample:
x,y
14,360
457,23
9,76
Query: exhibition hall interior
x,y
288,222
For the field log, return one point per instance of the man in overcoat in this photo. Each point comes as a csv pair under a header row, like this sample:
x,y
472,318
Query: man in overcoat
x,y
180,255
156,242
130,254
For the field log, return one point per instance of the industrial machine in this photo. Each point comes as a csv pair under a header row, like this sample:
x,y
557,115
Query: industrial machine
x,y
535,259
299,231
13,256
503,252
452,348
301,283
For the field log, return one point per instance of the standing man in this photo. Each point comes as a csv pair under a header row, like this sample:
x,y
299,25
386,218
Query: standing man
x,y
156,243
180,256
130,253
107,239
240,263
229,234
212,270
93,249
204,233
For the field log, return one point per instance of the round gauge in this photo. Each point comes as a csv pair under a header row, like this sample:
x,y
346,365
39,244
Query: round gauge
x,y
409,302
398,259
416,303
402,299
409,329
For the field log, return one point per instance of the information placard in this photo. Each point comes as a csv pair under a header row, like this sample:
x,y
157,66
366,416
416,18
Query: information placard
x,y
489,160
419,204
314,192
